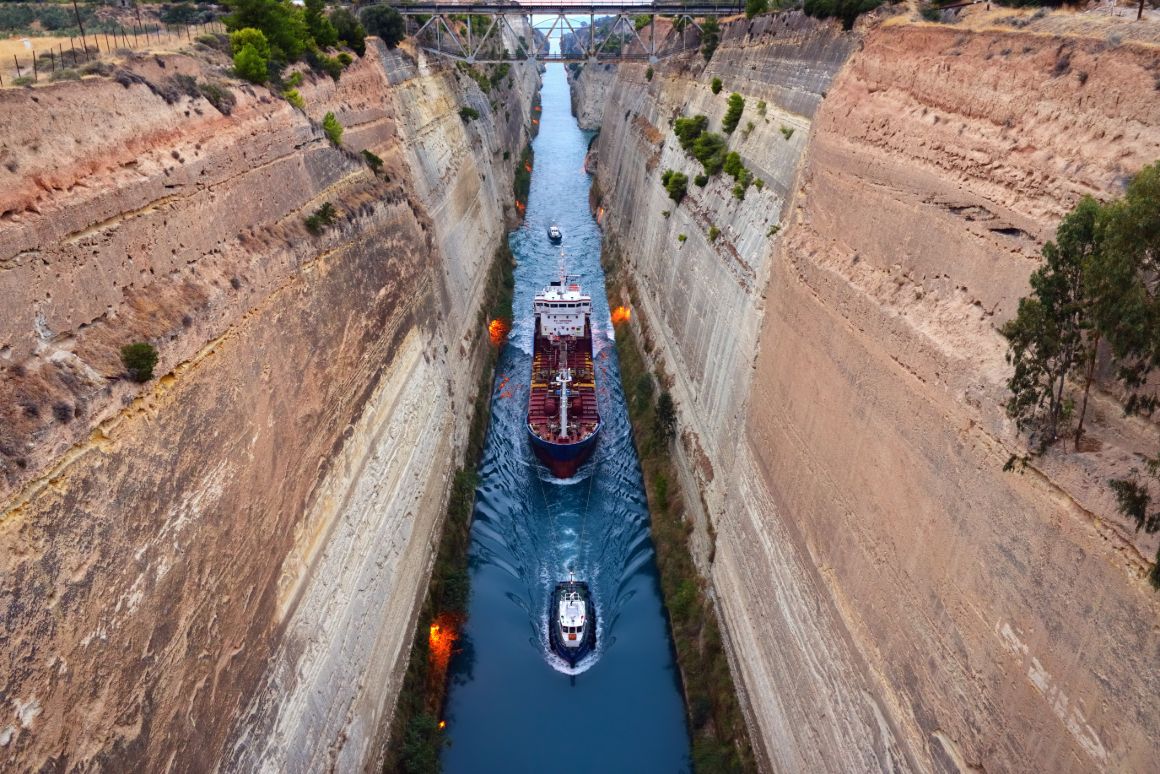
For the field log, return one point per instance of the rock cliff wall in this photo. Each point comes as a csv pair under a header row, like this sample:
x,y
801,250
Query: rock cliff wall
x,y
892,598
221,567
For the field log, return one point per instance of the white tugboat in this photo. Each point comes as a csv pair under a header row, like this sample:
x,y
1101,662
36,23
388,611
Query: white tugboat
x,y
554,234
572,620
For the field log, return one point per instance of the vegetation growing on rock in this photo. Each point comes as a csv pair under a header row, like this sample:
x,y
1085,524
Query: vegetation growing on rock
x,y
733,113
373,161
676,184
846,10
710,37
1096,292
332,129
719,733
321,219
139,360
251,53
384,22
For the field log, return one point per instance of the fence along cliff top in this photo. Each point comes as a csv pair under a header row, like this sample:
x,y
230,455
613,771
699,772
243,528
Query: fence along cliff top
x,y
434,28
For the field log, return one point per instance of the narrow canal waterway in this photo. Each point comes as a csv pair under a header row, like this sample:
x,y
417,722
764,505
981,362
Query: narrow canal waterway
x,y
513,706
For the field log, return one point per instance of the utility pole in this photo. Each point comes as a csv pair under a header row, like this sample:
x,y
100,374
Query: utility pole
x,y
82,27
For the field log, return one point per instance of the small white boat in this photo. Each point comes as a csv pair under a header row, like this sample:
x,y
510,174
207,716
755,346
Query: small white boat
x,y
572,621
554,234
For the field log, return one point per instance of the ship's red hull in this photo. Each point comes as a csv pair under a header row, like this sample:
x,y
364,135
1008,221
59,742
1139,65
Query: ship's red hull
x,y
563,456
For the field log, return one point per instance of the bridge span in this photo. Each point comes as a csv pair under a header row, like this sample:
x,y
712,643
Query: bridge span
x,y
586,31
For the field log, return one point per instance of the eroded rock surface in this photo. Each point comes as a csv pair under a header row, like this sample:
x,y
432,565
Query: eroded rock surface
x,y
893,600
222,567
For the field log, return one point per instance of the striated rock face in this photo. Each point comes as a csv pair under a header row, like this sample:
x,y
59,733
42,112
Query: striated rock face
x,y
590,93
221,567
892,598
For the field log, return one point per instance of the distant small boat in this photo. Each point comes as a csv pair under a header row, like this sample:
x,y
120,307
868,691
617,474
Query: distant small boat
x,y
572,621
554,234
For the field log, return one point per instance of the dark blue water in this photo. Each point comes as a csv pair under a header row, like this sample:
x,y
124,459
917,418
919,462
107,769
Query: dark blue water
x,y
513,706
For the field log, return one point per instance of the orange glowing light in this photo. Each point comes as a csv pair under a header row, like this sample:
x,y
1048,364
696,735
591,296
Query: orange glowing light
x,y
441,638
535,122
442,724
528,166
621,314
497,331
599,214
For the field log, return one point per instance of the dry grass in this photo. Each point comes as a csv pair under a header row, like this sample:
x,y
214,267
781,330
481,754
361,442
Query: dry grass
x,y
15,46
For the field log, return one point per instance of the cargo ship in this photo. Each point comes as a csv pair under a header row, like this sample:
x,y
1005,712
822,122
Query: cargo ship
x,y
563,421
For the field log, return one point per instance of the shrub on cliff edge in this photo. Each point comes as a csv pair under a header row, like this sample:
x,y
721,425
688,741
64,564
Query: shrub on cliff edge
x,y
280,21
846,10
385,22
139,360
332,129
715,86
350,32
249,66
733,113
251,54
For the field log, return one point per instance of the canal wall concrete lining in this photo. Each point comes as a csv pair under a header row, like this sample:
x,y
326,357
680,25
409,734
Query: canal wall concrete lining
x,y
893,599
221,568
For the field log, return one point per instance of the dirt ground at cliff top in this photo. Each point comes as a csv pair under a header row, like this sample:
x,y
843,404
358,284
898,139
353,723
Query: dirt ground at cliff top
x,y
14,46
1095,23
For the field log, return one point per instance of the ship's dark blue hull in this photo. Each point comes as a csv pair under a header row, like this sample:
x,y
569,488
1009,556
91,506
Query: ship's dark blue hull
x,y
563,459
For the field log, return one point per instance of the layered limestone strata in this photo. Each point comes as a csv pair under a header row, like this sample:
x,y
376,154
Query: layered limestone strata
x,y
589,94
892,598
222,567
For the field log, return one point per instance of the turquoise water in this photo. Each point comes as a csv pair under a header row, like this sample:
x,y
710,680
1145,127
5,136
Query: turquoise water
x,y
513,706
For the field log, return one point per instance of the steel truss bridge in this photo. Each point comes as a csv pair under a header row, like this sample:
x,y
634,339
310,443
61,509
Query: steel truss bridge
x,y
438,28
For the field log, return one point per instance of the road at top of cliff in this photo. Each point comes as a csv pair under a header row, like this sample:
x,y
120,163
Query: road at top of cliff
x,y
513,706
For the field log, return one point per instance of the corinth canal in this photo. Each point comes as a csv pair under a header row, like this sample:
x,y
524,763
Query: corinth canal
x,y
513,706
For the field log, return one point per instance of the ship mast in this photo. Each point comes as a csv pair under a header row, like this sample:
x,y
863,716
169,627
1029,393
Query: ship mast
x,y
563,378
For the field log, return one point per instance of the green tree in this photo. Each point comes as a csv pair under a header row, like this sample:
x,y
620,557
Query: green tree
x,y
1123,287
675,183
1051,334
715,86
350,31
248,36
689,129
323,32
280,21
846,10
1126,306
733,165
385,22
251,65
733,113
332,129
710,149
710,37
755,7
139,360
